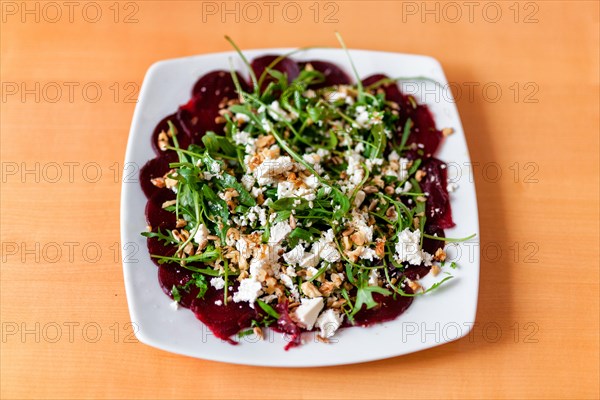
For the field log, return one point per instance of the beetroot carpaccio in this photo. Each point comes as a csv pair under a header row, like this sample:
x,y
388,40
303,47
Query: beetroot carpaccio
x,y
296,200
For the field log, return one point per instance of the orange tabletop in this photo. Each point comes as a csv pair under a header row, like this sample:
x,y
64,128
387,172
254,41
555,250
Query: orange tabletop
x,y
526,78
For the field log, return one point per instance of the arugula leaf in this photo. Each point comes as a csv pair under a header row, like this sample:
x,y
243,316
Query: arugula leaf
x,y
175,293
229,181
268,309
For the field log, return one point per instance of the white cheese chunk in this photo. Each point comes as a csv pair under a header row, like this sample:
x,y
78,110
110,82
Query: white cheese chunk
x,y
328,322
308,311
217,282
408,248
279,232
248,290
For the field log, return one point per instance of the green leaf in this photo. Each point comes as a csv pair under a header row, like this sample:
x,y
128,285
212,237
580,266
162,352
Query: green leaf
x,y
268,309
229,181
175,293
407,126
364,296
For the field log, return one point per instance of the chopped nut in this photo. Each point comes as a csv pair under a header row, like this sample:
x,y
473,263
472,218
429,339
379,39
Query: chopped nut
x,y
189,249
220,120
292,221
348,231
373,205
440,255
261,275
447,132
346,242
326,288
271,284
391,213
169,203
354,254
416,222
258,332
336,279
380,248
321,339
158,182
336,160
421,199
265,141
358,238
389,190
163,141
435,270
177,236
310,290
415,286
370,189
377,181
420,174
170,182
338,303
180,223
229,194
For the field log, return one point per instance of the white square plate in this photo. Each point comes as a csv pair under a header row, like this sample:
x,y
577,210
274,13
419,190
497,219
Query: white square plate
x,y
442,316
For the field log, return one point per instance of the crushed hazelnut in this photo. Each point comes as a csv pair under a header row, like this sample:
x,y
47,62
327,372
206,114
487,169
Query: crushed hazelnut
x,y
158,182
440,255
326,288
447,132
258,332
370,189
415,286
163,141
310,290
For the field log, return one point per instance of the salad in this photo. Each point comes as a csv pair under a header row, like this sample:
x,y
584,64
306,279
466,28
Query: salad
x,y
300,199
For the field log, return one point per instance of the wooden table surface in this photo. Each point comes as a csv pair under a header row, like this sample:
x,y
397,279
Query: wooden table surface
x,y
526,78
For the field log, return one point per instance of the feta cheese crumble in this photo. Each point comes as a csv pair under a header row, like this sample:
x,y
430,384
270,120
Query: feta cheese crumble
x,y
249,290
408,248
329,322
308,311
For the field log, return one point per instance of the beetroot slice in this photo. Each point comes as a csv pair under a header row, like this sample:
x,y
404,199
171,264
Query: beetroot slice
x,y
156,216
163,126
424,133
223,320
392,91
157,247
286,325
198,115
217,85
155,168
333,74
175,275
387,309
286,65
437,207
432,245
